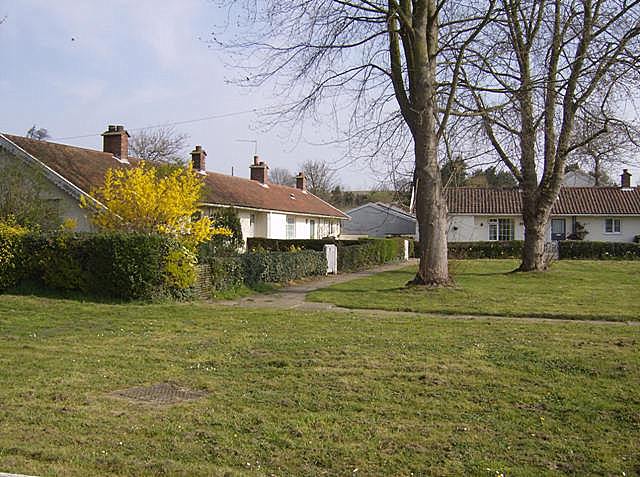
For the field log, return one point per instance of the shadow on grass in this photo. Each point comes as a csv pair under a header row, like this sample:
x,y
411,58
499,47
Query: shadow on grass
x,y
40,291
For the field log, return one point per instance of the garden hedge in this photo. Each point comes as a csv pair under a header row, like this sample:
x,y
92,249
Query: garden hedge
x,y
493,249
115,265
579,249
280,267
370,252
280,245
352,254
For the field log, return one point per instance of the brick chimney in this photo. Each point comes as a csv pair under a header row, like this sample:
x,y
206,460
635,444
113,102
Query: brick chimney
x,y
259,170
625,179
198,156
116,142
301,181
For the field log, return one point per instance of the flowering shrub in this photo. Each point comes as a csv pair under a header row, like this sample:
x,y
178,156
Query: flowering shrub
x,y
10,251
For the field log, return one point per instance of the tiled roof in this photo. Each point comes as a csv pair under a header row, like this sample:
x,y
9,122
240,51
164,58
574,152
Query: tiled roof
x,y
571,201
239,192
86,169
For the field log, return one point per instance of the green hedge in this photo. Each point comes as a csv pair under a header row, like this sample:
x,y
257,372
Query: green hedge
x,y
278,245
217,274
279,267
115,265
580,249
352,254
370,252
497,249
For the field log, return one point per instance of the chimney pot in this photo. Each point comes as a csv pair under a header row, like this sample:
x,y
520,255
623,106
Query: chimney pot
x,y
115,140
259,170
301,181
625,179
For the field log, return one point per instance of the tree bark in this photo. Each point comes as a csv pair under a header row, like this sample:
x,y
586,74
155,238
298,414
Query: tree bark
x,y
431,213
533,257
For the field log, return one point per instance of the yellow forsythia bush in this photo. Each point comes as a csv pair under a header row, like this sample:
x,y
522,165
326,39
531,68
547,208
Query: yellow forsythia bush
x,y
10,243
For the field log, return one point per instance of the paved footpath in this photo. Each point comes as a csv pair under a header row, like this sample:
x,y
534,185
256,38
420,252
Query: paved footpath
x,y
293,298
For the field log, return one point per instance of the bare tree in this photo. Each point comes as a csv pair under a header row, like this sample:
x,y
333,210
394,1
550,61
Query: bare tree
x,y
40,134
529,76
387,70
615,147
163,144
282,176
321,179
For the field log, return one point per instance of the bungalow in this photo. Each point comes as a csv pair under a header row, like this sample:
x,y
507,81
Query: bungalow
x,y
609,214
265,209
377,219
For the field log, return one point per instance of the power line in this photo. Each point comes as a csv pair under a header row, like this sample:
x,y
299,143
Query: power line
x,y
176,123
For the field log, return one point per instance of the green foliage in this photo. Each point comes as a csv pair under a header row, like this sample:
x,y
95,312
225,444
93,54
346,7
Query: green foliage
x,y
116,265
280,267
580,233
352,254
11,236
493,249
368,253
277,245
599,250
219,274
21,192
222,244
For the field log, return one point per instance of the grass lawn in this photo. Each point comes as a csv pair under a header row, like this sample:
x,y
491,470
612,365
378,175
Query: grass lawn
x,y
571,289
304,394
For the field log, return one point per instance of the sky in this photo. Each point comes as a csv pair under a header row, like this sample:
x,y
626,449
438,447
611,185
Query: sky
x,y
74,67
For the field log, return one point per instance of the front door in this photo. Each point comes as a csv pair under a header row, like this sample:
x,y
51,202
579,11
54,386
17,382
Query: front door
x,y
558,229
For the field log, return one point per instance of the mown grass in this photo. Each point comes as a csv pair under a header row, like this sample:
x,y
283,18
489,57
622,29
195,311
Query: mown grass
x,y
293,393
570,289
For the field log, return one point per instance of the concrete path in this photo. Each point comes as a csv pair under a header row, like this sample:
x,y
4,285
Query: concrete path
x,y
293,297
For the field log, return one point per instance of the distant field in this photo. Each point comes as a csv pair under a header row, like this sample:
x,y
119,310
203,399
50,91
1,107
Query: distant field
x,y
306,394
572,289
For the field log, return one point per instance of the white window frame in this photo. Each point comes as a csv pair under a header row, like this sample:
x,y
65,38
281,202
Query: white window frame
x,y
614,221
291,227
496,222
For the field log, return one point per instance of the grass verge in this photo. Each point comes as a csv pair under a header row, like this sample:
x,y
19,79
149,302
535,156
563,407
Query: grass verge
x,y
312,394
578,289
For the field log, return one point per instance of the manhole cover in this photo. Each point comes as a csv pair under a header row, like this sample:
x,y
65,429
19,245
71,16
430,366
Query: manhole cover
x,y
161,393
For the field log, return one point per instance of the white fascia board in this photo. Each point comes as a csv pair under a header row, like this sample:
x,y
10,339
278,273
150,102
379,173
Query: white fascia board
x,y
284,212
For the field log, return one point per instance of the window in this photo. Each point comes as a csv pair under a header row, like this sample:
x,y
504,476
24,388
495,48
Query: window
x,y
312,229
291,227
612,226
501,229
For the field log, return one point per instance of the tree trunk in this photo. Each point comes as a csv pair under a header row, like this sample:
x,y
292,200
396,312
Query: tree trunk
x,y
431,213
533,256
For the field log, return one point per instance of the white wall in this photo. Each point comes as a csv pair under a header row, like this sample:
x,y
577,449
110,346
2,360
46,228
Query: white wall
x,y
277,228
629,228
470,228
475,228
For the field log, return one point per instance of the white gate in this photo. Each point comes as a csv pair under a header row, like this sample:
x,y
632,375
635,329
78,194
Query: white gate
x,y
331,252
